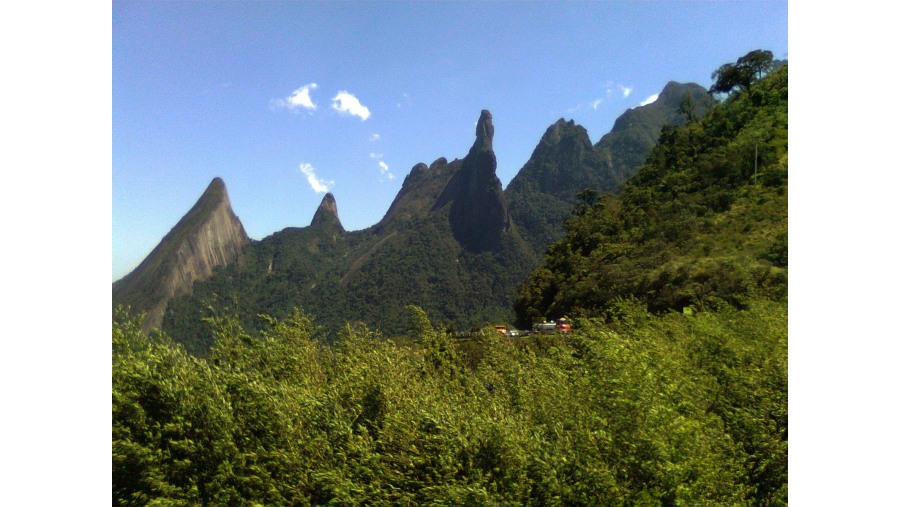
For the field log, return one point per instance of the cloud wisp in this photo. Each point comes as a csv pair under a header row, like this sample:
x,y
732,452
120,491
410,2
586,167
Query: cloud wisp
x,y
385,170
299,99
612,87
649,100
345,103
318,185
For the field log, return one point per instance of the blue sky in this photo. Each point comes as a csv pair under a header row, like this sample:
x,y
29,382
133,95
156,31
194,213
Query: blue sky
x,y
287,100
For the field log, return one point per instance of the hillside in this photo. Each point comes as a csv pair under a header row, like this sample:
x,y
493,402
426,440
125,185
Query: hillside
x,y
702,224
671,389
564,163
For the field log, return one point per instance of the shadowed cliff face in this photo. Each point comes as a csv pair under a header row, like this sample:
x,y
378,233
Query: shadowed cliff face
x,y
210,235
479,215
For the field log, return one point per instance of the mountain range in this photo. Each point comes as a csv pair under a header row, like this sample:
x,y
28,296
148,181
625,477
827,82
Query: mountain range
x,y
452,242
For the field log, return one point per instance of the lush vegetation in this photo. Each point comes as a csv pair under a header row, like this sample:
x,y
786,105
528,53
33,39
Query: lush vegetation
x,y
357,277
672,390
702,224
632,409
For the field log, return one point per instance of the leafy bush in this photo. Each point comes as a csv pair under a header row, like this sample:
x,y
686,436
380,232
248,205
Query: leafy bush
x,y
630,409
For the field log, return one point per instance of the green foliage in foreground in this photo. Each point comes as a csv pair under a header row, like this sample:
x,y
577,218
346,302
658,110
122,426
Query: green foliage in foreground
x,y
633,409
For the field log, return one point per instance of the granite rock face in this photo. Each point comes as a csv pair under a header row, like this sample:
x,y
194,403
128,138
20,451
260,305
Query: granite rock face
x,y
209,236
479,214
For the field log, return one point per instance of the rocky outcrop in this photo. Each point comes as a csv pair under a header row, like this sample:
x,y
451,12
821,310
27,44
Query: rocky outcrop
x,y
420,190
209,236
327,214
479,214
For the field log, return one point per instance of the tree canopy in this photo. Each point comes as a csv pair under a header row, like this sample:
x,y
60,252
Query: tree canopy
x,y
740,75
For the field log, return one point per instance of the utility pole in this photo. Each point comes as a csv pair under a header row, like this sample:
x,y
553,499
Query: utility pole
x,y
755,160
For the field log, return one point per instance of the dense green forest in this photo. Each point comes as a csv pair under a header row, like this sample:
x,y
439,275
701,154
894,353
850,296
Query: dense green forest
x,y
671,390
632,409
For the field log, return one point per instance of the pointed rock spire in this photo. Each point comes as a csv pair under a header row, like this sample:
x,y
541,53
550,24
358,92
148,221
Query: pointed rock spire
x,y
209,236
479,215
327,214
484,133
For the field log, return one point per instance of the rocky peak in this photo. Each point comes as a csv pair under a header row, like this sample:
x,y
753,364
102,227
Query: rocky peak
x,y
327,214
417,169
674,91
479,215
484,133
562,131
421,188
209,236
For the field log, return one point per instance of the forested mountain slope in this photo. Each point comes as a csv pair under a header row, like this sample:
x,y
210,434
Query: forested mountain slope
x,y
638,405
703,223
542,194
447,244
453,241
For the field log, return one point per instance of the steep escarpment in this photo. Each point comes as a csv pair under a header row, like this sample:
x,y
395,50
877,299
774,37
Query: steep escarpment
x,y
208,237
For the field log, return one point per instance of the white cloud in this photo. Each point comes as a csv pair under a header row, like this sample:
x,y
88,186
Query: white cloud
x,y
385,170
346,103
596,104
299,99
374,137
649,100
319,186
613,86
376,155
